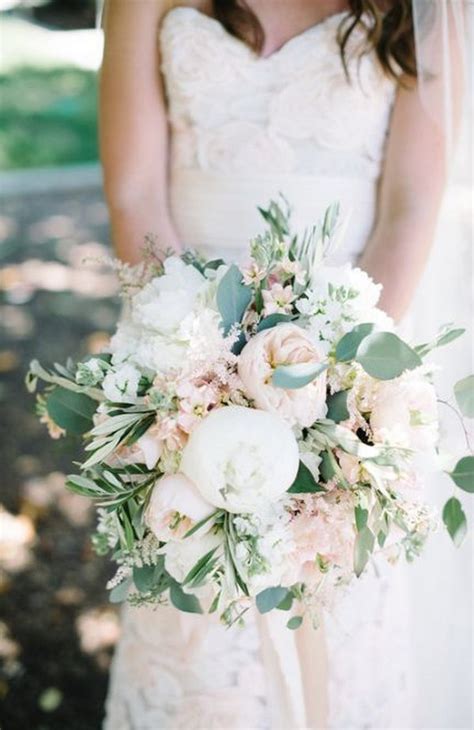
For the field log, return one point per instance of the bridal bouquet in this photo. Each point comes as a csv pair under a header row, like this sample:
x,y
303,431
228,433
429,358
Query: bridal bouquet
x,y
253,434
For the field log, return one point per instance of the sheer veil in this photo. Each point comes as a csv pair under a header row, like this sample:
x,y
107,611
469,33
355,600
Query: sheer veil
x,y
441,591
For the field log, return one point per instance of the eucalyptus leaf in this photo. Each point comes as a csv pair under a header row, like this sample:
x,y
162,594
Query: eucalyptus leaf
x,y
337,406
184,601
119,594
294,622
463,474
346,348
384,356
298,375
270,598
233,297
364,545
71,411
305,482
272,320
326,467
455,520
145,577
464,393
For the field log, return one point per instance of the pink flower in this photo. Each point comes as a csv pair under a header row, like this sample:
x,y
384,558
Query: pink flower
x,y
195,402
147,449
175,507
168,431
323,527
278,299
253,274
285,344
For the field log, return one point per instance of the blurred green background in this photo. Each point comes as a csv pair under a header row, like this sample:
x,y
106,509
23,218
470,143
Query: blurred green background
x,y
57,628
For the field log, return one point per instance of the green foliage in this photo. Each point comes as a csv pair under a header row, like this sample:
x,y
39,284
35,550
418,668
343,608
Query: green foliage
x,y
463,474
305,482
364,546
385,356
294,622
184,601
446,335
233,298
346,348
337,406
464,393
298,375
48,117
270,598
71,411
272,320
455,520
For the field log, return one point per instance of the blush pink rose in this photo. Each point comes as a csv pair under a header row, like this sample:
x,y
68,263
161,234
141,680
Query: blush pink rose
x,y
286,344
175,507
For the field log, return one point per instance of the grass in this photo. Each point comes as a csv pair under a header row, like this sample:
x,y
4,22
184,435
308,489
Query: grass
x,y
48,117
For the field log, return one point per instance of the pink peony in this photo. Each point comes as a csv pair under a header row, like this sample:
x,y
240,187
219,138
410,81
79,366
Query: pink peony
x,y
285,344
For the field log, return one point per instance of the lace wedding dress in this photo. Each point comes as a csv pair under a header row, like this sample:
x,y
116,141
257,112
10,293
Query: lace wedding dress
x,y
244,129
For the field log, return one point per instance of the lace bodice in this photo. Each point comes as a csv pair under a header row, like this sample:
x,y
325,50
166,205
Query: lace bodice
x,y
292,112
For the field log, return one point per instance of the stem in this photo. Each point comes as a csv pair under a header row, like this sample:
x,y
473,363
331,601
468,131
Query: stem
x,y
461,421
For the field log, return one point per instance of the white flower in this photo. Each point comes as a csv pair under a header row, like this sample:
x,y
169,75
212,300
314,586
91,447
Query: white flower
x,y
121,384
147,449
240,458
162,304
182,555
405,413
175,507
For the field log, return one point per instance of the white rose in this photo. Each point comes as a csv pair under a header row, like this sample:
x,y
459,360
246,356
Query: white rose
x,y
285,344
175,507
166,300
240,458
182,555
405,413
121,385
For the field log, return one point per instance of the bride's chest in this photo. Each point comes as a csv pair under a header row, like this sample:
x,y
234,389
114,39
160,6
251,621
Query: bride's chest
x,y
295,104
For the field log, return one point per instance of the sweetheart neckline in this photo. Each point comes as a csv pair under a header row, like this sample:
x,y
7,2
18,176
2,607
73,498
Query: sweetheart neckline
x,y
316,27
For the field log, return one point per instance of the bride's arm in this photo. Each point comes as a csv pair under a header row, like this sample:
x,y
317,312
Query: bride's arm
x,y
133,127
410,195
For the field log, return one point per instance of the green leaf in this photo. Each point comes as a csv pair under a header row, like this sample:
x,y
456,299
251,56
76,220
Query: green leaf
x,y
233,297
337,406
120,592
463,474
144,577
385,356
214,264
455,520
326,467
346,348
287,602
361,517
364,546
197,569
184,601
71,411
464,393
270,598
298,375
449,336
294,622
272,320
305,482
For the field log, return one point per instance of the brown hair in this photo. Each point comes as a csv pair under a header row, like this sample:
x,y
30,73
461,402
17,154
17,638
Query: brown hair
x,y
388,26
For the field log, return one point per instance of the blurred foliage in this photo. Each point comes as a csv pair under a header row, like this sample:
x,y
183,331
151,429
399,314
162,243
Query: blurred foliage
x,y
49,117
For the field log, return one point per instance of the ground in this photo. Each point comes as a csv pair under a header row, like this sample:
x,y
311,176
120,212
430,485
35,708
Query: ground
x,y
57,628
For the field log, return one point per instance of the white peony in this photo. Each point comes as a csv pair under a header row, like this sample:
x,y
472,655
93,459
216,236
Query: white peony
x,y
405,413
175,507
182,555
163,303
121,384
240,458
